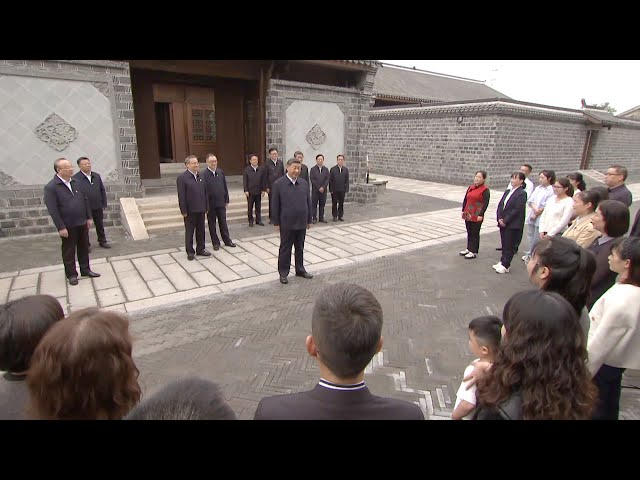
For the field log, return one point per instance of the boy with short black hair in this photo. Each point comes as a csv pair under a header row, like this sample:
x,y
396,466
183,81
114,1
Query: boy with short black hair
x,y
485,334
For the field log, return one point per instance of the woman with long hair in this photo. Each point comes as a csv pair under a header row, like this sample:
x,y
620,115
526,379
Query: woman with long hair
x,y
474,205
614,336
82,369
560,265
577,182
540,370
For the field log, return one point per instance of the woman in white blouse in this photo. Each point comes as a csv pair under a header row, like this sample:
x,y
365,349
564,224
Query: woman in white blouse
x,y
559,209
614,335
584,208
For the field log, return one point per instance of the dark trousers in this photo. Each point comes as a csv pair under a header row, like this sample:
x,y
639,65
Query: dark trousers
x,y
510,238
473,236
78,239
609,383
269,194
319,200
337,204
194,222
98,216
255,200
289,238
221,215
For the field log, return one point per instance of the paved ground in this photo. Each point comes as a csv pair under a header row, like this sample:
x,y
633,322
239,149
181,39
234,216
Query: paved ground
x,y
251,339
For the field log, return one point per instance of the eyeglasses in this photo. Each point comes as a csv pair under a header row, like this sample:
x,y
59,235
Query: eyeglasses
x,y
558,186
610,174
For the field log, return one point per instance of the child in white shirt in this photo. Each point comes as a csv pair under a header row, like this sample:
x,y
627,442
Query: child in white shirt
x,y
485,334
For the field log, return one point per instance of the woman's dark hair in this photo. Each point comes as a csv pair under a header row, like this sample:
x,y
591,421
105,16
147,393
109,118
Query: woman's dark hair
x,y
616,217
483,173
589,196
601,191
579,179
23,323
519,175
629,249
550,174
566,184
571,268
543,357
82,369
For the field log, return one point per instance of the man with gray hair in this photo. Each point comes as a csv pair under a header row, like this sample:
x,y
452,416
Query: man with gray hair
x,y
192,199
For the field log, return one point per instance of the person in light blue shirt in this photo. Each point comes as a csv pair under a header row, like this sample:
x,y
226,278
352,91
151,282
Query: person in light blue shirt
x,y
535,206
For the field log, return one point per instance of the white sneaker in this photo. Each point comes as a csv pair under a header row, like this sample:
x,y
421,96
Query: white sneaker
x,y
470,255
526,258
464,252
502,269
499,264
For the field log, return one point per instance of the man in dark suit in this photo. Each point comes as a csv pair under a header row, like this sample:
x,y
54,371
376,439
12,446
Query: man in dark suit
x,y
304,170
70,211
338,186
254,184
614,179
292,217
94,188
275,170
192,198
346,332
218,198
510,214
319,183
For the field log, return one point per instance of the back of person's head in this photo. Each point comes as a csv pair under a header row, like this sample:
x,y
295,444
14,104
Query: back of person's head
x,y
347,328
23,323
579,179
616,217
543,356
488,332
628,248
602,192
189,398
83,370
565,268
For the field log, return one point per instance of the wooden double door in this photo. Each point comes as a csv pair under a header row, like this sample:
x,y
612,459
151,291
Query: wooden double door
x,y
193,120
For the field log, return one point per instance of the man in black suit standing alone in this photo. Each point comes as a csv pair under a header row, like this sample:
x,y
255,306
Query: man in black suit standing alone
x,y
218,198
319,183
70,211
94,188
346,332
275,170
254,184
192,198
291,216
338,186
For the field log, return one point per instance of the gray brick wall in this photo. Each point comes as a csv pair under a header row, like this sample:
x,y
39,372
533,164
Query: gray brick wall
x,y
22,209
354,102
429,143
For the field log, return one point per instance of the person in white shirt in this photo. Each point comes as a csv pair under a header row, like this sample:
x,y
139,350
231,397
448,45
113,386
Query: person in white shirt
x,y
485,334
558,211
536,204
615,328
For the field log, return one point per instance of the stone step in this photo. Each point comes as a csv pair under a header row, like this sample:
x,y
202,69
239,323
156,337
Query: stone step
x,y
176,224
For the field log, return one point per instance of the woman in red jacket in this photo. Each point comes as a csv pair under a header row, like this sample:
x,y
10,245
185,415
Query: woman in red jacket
x,y
475,203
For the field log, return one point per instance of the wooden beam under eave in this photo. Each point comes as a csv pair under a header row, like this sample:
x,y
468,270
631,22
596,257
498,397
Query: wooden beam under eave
x,y
240,69
359,67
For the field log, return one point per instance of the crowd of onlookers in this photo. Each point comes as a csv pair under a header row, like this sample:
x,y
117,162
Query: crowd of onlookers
x,y
558,352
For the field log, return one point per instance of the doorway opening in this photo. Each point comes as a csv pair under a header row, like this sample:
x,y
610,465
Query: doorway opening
x,y
163,124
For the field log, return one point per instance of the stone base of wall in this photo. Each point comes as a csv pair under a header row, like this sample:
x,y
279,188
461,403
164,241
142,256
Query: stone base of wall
x,y
23,212
362,193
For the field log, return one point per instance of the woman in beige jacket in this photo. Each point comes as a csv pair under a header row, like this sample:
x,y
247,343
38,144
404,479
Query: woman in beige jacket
x,y
581,230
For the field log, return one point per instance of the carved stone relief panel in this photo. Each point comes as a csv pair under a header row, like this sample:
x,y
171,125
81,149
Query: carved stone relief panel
x,y
56,132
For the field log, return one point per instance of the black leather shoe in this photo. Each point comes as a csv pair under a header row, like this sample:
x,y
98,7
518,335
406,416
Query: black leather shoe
x,y
499,248
90,274
260,223
283,280
216,247
335,219
230,244
251,224
105,245
73,280
322,220
304,275
204,253
341,219
314,221
191,256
